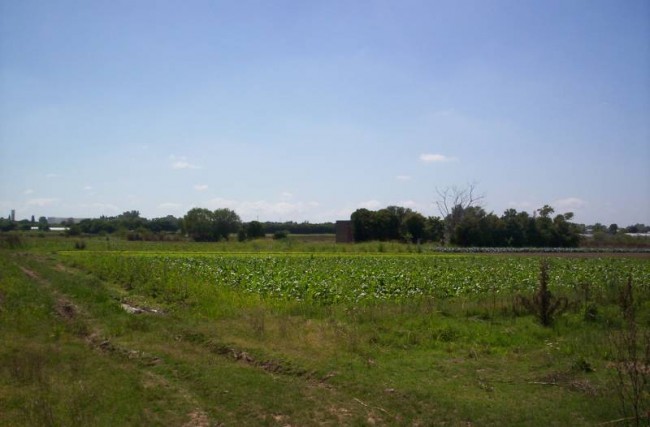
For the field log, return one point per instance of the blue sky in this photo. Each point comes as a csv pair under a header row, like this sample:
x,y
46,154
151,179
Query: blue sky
x,y
308,110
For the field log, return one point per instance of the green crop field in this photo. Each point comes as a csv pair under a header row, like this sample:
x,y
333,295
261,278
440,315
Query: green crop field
x,y
294,333
330,279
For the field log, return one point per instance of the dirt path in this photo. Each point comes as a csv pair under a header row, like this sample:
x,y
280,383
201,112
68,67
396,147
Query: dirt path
x,y
69,312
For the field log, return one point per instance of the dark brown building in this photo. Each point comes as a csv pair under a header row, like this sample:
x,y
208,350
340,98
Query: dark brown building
x,y
344,232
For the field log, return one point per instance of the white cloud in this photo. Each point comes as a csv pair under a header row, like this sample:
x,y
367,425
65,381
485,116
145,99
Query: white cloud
x,y
106,207
283,210
182,163
88,188
28,191
41,202
100,208
569,203
201,187
522,205
435,158
286,195
370,204
51,175
409,204
169,205
403,178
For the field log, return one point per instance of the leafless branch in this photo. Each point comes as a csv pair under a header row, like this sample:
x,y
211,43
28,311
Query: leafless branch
x,y
451,197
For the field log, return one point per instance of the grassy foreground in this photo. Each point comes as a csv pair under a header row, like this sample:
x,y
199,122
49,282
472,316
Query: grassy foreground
x,y
81,348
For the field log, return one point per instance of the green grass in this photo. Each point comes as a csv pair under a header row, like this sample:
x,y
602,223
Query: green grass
x,y
217,354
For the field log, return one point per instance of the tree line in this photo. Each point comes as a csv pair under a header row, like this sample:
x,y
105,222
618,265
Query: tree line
x,y
200,224
468,226
461,223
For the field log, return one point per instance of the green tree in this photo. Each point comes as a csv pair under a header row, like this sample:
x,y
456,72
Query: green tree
x,y
515,227
7,224
435,229
198,224
131,220
467,231
598,228
544,226
565,234
612,229
254,230
413,226
168,224
43,224
363,225
225,222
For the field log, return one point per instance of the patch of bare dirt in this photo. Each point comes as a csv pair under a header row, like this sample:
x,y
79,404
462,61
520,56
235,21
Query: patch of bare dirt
x,y
568,381
32,274
63,269
133,309
65,309
198,418
104,345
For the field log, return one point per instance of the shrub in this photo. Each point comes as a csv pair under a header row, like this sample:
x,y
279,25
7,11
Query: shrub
x,y
280,234
543,304
11,241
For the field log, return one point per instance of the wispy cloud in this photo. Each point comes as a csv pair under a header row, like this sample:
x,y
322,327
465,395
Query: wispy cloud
x,y
182,163
104,207
436,158
88,188
170,205
409,204
51,175
282,210
201,187
370,204
403,177
525,205
41,202
569,203
286,195
28,192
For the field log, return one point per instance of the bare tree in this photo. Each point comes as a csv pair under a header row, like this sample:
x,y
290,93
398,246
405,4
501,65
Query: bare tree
x,y
453,197
452,203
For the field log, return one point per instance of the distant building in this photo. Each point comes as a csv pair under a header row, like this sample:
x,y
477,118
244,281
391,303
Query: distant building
x,y
55,220
344,232
13,214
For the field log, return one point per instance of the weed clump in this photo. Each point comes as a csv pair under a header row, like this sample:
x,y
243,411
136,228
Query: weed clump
x,y
632,360
11,241
543,304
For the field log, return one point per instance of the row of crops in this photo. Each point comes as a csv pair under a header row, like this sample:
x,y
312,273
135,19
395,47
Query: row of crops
x,y
327,279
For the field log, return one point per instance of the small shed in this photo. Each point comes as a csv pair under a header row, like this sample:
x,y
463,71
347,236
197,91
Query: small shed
x,y
344,232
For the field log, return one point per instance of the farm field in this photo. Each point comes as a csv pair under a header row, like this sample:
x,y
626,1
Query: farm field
x,y
124,333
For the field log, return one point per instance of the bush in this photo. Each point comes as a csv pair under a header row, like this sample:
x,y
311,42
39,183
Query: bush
x,y
11,241
80,245
281,234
